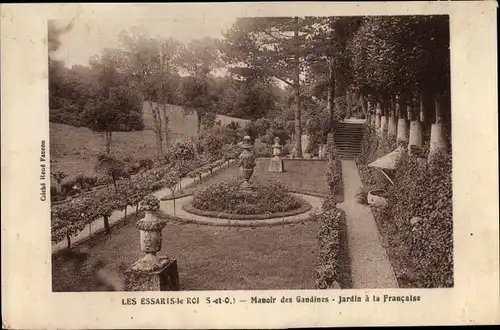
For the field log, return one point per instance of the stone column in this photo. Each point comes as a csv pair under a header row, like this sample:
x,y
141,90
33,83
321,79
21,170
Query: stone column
x,y
392,129
152,272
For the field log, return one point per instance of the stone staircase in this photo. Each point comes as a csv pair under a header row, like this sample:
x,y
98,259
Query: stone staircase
x,y
347,138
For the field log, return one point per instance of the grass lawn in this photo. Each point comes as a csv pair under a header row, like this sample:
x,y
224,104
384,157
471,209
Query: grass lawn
x,y
209,258
302,175
217,258
74,150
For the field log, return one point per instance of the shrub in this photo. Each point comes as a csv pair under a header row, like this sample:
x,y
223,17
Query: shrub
x,y
333,173
330,271
265,197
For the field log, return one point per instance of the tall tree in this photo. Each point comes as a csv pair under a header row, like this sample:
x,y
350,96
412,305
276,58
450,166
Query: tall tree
x,y
200,59
152,64
273,47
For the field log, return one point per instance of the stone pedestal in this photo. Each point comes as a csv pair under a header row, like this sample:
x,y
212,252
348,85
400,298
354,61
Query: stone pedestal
x,y
163,278
393,124
415,136
402,130
276,163
437,139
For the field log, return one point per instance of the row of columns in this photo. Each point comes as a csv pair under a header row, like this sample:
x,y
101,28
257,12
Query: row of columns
x,y
398,127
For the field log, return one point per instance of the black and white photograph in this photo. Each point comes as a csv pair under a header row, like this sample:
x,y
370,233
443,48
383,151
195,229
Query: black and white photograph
x,y
249,165
250,153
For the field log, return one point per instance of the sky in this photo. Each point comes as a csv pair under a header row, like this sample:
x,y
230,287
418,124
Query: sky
x,y
88,37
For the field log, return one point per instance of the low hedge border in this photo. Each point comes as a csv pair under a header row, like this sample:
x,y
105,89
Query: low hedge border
x,y
304,207
334,268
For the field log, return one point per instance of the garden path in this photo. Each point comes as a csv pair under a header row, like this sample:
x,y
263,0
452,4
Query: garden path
x,y
118,215
370,265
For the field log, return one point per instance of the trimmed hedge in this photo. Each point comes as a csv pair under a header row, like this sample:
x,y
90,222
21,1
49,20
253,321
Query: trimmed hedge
x,y
333,270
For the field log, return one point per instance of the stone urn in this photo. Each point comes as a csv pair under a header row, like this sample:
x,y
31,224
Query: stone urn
x,y
246,161
151,238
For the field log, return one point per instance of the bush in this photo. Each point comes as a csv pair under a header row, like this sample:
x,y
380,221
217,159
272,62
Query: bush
x,y
425,190
330,272
265,197
333,173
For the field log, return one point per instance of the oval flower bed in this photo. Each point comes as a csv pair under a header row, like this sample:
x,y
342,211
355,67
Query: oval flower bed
x,y
264,200
304,207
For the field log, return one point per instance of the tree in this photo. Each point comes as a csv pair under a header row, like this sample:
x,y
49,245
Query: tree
x,y
58,176
152,63
110,166
328,65
200,58
272,47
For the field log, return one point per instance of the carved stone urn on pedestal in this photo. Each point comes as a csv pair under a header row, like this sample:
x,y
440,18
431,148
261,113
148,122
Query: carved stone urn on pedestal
x,y
246,162
152,272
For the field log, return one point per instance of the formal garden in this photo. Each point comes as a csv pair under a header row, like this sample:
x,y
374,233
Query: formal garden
x,y
338,179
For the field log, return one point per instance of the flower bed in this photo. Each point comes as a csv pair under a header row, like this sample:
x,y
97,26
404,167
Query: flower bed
x,y
265,197
304,207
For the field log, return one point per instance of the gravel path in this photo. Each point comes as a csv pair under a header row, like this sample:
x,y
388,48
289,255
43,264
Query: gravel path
x,y
168,208
370,265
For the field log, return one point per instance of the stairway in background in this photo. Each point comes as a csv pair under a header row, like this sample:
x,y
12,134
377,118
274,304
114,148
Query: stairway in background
x,y
347,137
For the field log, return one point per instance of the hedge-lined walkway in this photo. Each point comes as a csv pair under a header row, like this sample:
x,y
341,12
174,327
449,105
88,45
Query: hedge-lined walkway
x,y
370,265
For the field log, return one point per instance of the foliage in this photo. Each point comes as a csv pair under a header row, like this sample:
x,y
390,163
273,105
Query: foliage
x,y
266,197
181,151
317,127
425,190
150,203
330,269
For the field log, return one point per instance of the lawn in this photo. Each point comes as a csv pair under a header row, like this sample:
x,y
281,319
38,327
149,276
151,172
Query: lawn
x,y
218,258
209,258
74,150
299,175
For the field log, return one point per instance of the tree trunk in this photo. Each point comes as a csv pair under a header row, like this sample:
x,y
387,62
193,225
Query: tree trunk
x,y
125,212
298,125
331,94
68,238
198,115
108,142
165,123
107,229
137,210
